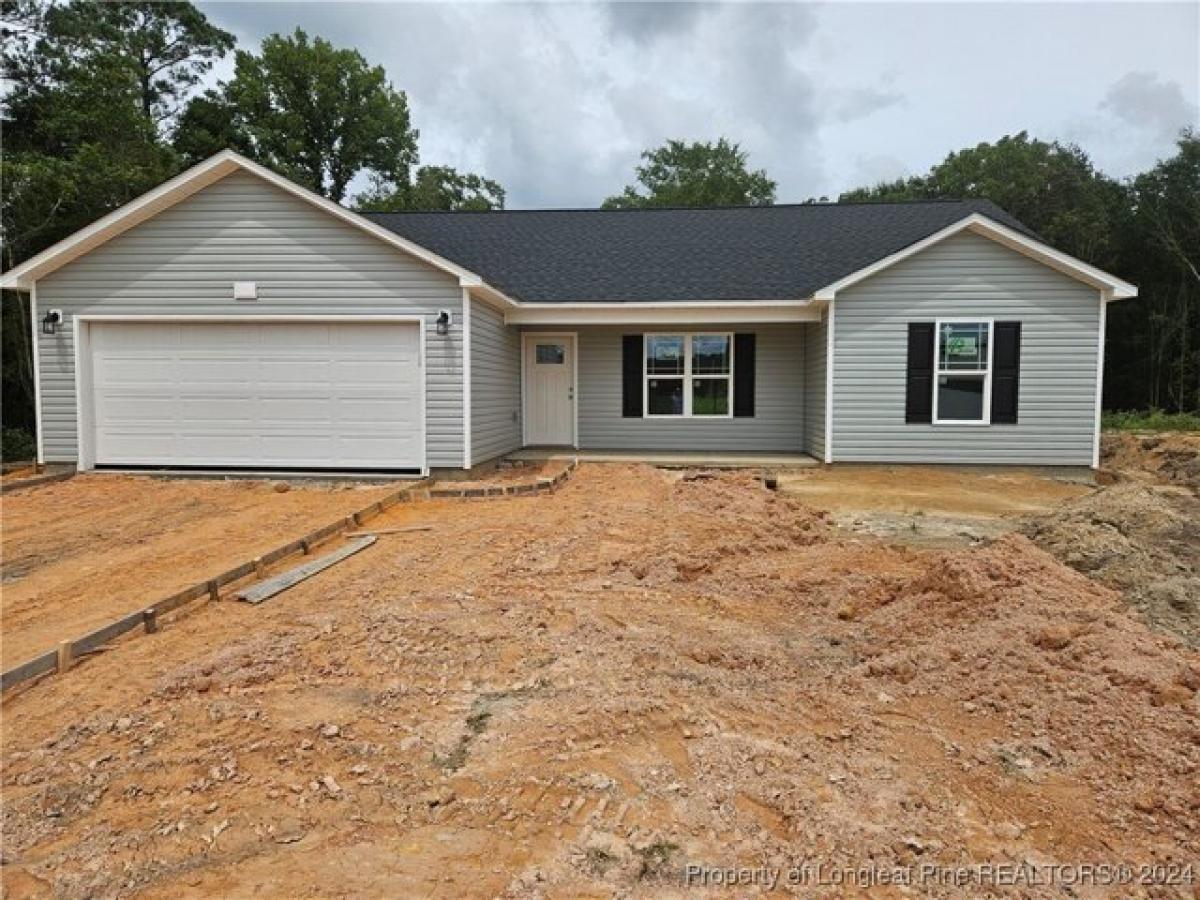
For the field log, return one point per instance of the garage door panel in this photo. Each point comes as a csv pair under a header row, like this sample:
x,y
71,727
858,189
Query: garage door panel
x,y
130,370
126,410
229,409
217,337
322,395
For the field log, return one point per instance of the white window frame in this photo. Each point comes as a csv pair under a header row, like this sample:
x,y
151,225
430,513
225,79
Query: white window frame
x,y
687,377
938,372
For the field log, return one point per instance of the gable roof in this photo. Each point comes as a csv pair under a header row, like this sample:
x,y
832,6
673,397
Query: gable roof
x,y
185,185
729,254
774,254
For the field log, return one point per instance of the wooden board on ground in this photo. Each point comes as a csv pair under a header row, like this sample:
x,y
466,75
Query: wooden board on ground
x,y
405,530
265,590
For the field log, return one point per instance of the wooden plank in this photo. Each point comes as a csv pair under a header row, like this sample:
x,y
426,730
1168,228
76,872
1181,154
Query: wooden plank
x,y
267,589
35,481
187,595
107,633
39,665
323,534
283,552
377,531
234,574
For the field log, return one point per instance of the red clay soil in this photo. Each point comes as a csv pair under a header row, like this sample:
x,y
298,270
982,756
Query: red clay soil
x,y
80,553
577,694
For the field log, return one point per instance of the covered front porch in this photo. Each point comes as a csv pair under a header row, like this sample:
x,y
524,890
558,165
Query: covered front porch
x,y
741,393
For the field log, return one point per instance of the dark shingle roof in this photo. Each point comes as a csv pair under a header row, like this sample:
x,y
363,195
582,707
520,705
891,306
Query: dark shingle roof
x,y
717,254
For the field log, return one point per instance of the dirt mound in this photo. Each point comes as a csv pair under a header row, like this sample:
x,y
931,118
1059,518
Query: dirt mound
x,y
1139,537
1173,457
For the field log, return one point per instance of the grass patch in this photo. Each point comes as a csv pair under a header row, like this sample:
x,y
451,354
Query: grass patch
x,y
599,861
453,761
656,858
477,722
1150,420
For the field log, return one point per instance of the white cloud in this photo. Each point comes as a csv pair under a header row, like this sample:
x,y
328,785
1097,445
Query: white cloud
x,y
557,101
1144,101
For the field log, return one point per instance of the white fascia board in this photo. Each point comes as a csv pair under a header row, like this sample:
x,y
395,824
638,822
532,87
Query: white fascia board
x,y
749,312
1002,234
488,294
183,186
167,194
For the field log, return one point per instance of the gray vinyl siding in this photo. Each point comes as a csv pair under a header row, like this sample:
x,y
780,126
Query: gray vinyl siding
x,y
967,276
815,377
495,384
184,262
777,425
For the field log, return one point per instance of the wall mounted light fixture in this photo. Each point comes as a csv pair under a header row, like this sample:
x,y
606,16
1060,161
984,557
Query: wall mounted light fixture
x,y
443,321
51,321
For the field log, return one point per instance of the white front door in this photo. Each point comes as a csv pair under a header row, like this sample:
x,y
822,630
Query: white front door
x,y
549,389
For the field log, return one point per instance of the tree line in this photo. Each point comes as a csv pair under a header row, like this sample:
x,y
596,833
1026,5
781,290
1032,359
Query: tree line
x,y
104,102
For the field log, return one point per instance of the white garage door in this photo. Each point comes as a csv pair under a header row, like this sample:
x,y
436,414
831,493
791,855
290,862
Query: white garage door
x,y
329,395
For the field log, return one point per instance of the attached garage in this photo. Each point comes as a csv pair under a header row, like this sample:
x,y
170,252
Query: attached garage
x,y
253,394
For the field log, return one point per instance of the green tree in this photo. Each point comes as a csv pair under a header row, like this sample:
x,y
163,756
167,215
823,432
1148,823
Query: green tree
x,y
90,86
1154,341
318,114
697,174
435,188
1053,188
166,47
208,125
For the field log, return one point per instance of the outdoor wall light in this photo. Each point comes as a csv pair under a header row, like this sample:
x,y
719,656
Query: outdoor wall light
x,y
443,321
51,321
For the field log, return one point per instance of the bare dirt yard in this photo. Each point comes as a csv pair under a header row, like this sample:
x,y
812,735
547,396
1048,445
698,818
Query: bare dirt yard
x,y
79,553
932,506
578,694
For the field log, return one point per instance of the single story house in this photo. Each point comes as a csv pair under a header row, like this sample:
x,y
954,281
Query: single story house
x,y
231,319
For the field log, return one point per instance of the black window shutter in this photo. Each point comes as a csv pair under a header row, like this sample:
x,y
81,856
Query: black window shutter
x,y
743,375
918,397
631,376
1006,372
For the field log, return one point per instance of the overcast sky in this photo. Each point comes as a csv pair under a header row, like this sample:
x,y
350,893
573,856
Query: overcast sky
x,y
556,101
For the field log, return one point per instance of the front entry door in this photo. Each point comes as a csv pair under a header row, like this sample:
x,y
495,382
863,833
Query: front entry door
x,y
549,389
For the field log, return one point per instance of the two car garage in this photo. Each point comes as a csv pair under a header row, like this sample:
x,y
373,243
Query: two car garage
x,y
253,394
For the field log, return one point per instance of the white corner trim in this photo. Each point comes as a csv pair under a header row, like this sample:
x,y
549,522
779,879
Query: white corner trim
x,y
36,336
829,386
191,181
1104,301
1002,234
466,377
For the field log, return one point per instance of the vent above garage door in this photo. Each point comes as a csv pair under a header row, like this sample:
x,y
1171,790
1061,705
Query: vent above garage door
x,y
338,395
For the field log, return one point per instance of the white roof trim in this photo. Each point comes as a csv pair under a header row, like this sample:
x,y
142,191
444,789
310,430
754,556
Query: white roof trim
x,y
663,313
978,223
189,182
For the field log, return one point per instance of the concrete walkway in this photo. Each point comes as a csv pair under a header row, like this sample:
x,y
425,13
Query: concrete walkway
x,y
667,459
